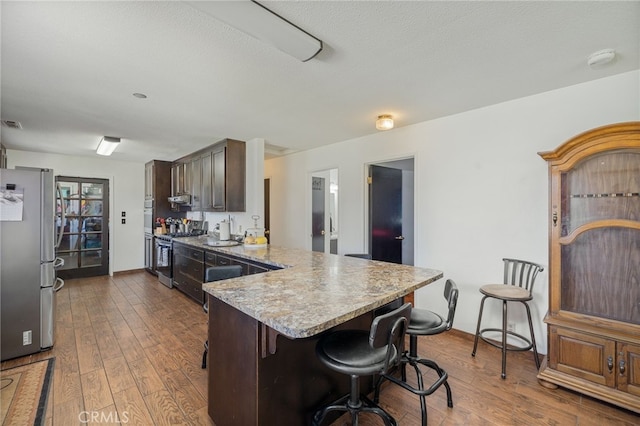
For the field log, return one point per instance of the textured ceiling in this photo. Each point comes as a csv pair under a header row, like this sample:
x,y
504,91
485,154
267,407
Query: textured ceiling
x,y
69,69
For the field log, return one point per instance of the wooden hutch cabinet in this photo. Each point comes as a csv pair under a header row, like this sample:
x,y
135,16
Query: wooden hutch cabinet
x,y
593,321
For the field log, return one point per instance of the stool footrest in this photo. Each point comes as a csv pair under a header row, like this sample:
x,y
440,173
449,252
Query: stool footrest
x,y
344,404
420,391
498,344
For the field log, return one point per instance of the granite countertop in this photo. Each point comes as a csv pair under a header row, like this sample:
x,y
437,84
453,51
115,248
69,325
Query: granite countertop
x,y
314,291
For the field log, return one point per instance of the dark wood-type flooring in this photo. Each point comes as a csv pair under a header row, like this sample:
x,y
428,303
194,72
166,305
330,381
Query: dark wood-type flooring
x,y
128,351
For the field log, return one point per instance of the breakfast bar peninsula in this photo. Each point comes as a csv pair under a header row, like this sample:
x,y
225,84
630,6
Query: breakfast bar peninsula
x,y
263,329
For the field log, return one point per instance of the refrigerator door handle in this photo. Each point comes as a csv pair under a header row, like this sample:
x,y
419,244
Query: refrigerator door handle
x,y
58,263
59,281
63,214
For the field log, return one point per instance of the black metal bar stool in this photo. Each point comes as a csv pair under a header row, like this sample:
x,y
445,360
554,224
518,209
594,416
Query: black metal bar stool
x,y
519,277
424,322
361,353
217,273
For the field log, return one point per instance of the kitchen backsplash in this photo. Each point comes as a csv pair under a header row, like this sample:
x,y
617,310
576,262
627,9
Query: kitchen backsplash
x,y
240,221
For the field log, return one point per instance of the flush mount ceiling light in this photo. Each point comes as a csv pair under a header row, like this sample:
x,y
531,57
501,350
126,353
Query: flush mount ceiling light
x,y
384,122
107,145
601,57
259,22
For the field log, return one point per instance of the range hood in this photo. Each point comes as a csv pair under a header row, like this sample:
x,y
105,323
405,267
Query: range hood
x,y
180,199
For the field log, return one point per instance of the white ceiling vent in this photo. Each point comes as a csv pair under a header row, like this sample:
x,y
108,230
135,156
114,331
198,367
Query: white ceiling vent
x,y
12,124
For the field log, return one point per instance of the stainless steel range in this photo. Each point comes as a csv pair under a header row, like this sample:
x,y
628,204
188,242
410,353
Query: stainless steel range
x,y
164,254
164,263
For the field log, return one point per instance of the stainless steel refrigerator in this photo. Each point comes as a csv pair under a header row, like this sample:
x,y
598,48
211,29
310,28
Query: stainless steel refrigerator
x,y
28,238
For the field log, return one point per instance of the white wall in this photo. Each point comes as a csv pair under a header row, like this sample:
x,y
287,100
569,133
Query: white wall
x,y
126,193
481,190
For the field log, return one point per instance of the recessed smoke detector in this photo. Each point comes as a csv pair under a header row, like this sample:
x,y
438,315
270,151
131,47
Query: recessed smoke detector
x,y
601,57
12,124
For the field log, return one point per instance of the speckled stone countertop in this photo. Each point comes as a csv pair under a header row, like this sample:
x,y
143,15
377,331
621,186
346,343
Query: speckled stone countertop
x,y
314,291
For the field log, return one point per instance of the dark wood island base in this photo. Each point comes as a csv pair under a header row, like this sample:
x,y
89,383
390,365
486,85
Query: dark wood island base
x,y
259,377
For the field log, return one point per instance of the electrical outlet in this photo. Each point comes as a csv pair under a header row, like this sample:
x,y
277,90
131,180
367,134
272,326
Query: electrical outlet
x,y
511,326
26,337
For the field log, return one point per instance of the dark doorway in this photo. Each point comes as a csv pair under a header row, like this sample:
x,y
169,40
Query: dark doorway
x,y
317,214
85,241
385,214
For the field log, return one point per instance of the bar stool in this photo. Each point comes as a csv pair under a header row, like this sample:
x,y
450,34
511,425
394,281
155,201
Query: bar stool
x,y
361,353
424,322
519,277
217,273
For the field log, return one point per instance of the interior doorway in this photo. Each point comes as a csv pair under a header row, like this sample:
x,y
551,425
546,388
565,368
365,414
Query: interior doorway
x,y
324,211
85,222
391,211
267,209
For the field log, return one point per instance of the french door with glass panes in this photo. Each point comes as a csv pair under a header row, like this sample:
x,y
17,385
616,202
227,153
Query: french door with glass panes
x,y
85,219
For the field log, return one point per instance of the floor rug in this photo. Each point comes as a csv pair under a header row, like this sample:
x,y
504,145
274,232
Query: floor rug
x,y
24,391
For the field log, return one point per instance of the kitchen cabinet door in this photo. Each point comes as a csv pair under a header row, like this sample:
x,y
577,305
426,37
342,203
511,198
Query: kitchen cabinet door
x,y
629,368
219,179
207,180
178,179
583,355
148,180
149,254
196,184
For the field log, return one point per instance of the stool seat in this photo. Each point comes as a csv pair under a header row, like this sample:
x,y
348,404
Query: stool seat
x,y
349,352
519,277
359,353
506,292
425,323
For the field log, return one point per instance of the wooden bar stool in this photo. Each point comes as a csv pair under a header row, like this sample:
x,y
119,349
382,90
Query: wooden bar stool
x,y
519,277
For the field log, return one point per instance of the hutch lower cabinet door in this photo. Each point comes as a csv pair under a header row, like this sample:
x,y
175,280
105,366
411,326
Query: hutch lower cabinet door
x,y
593,321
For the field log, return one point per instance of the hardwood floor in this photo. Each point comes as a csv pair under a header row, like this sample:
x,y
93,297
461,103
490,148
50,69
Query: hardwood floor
x,y
128,351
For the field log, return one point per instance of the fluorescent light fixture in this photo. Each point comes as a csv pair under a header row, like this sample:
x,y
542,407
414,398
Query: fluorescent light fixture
x,y
107,145
384,122
259,22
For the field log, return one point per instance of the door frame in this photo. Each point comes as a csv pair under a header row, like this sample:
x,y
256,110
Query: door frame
x,y
409,241
107,241
326,174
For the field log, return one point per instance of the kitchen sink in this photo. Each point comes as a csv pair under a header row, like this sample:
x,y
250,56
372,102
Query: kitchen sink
x,y
227,243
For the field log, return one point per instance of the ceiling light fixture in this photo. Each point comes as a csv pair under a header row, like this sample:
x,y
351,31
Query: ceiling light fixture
x,y
601,57
140,95
107,145
259,22
384,122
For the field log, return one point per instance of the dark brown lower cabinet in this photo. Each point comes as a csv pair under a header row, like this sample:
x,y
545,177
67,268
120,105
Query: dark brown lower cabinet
x,y
260,377
188,271
190,263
